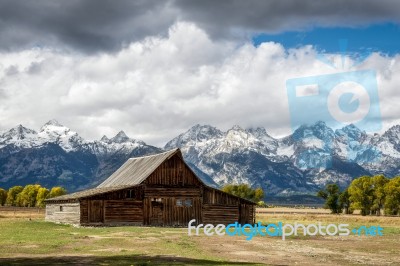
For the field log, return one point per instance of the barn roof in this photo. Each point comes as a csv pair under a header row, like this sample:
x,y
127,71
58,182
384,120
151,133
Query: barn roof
x,y
87,193
133,172
136,170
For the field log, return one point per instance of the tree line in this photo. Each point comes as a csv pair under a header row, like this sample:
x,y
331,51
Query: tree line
x,y
29,196
244,191
369,194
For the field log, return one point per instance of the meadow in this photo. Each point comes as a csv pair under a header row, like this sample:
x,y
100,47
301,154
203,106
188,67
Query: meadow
x,y
26,239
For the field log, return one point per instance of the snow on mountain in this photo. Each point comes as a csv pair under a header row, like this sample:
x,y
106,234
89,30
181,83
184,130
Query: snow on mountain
x,y
302,162
121,137
68,140
56,155
236,156
51,132
19,136
311,157
54,132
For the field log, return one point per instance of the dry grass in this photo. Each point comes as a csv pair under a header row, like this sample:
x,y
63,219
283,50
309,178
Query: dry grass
x,y
21,212
28,240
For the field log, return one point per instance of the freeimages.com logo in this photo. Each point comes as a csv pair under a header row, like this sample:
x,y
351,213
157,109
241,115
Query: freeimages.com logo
x,y
337,99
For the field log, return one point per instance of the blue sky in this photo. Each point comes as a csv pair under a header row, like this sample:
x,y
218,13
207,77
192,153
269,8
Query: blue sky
x,y
383,38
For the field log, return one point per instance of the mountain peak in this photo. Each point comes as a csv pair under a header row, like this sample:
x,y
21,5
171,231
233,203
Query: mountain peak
x,y
319,130
201,132
197,133
351,131
54,126
393,133
104,139
53,122
236,128
393,129
351,127
259,132
20,132
121,137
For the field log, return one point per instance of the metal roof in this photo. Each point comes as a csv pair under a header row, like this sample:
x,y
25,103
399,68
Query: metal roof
x,y
86,193
136,170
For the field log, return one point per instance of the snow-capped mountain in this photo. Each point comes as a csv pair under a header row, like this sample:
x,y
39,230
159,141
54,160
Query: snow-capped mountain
x,y
56,155
300,163
51,132
304,161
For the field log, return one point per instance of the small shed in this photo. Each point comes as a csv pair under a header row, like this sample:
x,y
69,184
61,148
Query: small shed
x,y
156,190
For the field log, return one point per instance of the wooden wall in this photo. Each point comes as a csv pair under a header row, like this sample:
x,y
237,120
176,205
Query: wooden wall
x,y
165,212
123,211
220,214
214,196
173,172
84,211
70,213
247,214
113,207
172,192
220,207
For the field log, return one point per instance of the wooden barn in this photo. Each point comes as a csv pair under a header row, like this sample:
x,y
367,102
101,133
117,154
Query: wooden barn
x,y
156,190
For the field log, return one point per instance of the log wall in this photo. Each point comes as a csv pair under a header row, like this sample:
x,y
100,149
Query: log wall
x,y
121,206
63,213
123,211
247,214
214,196
165,212
173,172
220,214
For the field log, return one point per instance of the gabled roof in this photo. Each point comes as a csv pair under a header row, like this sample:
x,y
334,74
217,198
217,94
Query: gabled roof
x,y
136,170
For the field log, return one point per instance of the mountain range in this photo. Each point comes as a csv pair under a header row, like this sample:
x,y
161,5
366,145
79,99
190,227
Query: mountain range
x,y
301,163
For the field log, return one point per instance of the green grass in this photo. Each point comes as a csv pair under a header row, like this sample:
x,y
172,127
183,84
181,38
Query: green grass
x,y
37,242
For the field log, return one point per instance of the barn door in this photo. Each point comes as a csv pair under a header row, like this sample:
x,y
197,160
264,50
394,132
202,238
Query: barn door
x,y
96,211
157,211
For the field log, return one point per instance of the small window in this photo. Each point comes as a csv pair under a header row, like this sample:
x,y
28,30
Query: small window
x,y
188,203
184,203
61,208
179,203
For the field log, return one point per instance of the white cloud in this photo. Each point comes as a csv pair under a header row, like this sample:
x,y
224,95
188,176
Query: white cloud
x,y
156,88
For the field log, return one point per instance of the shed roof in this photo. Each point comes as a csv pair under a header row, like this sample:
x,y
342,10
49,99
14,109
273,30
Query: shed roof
x,y
87,193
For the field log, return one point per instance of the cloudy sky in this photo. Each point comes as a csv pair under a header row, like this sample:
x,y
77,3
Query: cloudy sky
x,y
156,68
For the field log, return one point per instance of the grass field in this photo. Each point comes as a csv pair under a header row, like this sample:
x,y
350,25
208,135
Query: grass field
x,y
26,239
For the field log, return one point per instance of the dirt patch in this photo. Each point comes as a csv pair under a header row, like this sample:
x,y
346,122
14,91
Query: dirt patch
x,y
304,251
